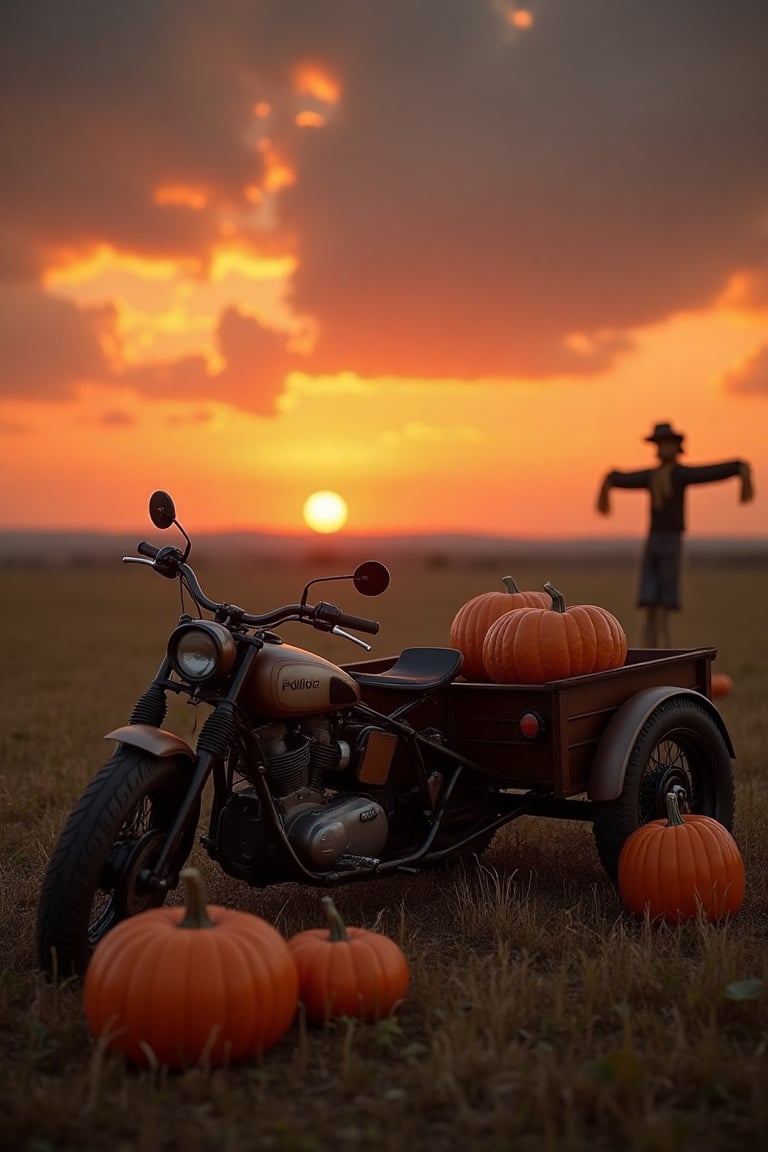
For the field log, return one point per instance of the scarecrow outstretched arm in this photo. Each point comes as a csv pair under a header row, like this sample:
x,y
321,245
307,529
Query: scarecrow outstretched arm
x,y
707,473
639,479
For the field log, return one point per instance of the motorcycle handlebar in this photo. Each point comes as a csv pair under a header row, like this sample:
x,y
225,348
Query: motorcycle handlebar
x,y
359,623
325,613
144,548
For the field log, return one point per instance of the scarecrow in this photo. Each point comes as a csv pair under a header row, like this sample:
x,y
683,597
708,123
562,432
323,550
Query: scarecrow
x,y
659,590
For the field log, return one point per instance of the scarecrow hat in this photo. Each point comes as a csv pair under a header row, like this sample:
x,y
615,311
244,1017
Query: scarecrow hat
x,y
665,432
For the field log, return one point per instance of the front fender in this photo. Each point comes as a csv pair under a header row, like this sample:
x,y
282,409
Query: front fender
x,y
156,741
606,777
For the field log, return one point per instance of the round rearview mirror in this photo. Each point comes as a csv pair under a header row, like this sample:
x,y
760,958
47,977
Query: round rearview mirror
x,y
162,512
371,578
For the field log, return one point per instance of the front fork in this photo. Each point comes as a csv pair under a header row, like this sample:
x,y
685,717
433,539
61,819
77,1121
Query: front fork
x,y
215,740
157,878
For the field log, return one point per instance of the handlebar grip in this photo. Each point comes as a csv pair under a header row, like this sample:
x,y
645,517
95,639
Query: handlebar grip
x,y
359,623
146,549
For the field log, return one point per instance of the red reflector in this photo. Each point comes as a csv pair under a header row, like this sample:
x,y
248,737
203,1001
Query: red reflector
x,y
530,725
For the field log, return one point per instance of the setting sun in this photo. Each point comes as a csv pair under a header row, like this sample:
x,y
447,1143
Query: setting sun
x,y
325,512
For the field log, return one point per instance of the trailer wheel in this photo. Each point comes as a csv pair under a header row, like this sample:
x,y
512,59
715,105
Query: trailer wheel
x,y
679,749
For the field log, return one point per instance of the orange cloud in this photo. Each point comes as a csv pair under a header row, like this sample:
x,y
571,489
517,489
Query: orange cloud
x,y
520,18
50,346
226,260
249,369
74,268
310,119
747,290
466,244
163,311
314,80
751,376
277,172
180,196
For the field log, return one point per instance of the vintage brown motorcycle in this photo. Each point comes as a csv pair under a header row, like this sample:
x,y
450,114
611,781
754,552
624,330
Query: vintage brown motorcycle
x,y
309,784
324,774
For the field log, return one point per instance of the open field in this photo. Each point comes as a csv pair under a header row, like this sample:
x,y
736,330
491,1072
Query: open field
x,y
540,1016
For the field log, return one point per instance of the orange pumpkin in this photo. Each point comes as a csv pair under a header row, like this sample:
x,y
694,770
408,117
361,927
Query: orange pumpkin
x,y
191,984
534,645
721,684
473,619
348,971
675,866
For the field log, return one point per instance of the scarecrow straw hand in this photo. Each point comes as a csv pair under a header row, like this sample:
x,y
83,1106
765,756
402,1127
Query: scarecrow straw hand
x,y
603,503
747,488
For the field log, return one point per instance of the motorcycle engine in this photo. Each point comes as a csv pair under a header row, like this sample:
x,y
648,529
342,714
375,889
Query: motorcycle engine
x,y
323,824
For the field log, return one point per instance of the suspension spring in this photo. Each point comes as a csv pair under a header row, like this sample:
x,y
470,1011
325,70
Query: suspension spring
x,y
151,707
217,731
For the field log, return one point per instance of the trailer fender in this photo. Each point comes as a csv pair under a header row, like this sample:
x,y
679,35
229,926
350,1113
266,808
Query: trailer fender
x,y
156,741
606,777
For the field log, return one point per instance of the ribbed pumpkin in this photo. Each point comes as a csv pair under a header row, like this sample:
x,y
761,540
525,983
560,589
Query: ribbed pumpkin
x,y
675,866
191,984
473,619
534,645
348,971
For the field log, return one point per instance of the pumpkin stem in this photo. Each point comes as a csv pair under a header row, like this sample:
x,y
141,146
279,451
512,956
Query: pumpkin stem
x,y
337,929
558,600
510,584
196,914
674,818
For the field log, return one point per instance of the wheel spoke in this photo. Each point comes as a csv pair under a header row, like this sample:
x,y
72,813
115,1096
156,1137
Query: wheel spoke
x,y
680,748
668,768
104,910
139,821
102,916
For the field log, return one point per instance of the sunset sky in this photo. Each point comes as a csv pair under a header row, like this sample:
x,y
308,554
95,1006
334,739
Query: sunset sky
x,y
451,259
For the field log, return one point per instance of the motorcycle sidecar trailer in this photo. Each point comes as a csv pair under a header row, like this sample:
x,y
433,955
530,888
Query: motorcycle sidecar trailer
x,y
605,747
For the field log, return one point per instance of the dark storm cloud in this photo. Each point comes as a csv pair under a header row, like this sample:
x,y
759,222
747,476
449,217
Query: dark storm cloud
x,y
100,103
478,199
479,194
47,346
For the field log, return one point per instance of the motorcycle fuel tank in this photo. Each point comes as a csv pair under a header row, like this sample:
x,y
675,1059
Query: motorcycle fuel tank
x,y
287,681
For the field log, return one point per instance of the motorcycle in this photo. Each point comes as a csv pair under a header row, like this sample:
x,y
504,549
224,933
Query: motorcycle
x,y
325,774
309,783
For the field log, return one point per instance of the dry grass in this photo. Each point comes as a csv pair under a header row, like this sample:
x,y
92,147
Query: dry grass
x,y
540,1016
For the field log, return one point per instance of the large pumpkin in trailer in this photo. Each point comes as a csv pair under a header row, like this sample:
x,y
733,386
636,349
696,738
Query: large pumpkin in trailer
x,y
675,867
473,619
347,971
535,645
183,985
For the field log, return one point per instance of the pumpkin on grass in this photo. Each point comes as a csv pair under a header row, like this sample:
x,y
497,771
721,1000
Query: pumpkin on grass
x,y
182,985
348,971
474,618
674,867
721,684
534,645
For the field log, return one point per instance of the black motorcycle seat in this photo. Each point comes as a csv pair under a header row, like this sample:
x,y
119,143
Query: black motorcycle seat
x,y
419,668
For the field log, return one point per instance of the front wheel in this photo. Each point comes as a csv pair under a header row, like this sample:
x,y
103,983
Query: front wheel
x,y
115,830
681,749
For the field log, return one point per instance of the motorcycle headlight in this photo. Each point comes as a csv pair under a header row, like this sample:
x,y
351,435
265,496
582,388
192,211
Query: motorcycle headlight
x,y
202,650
